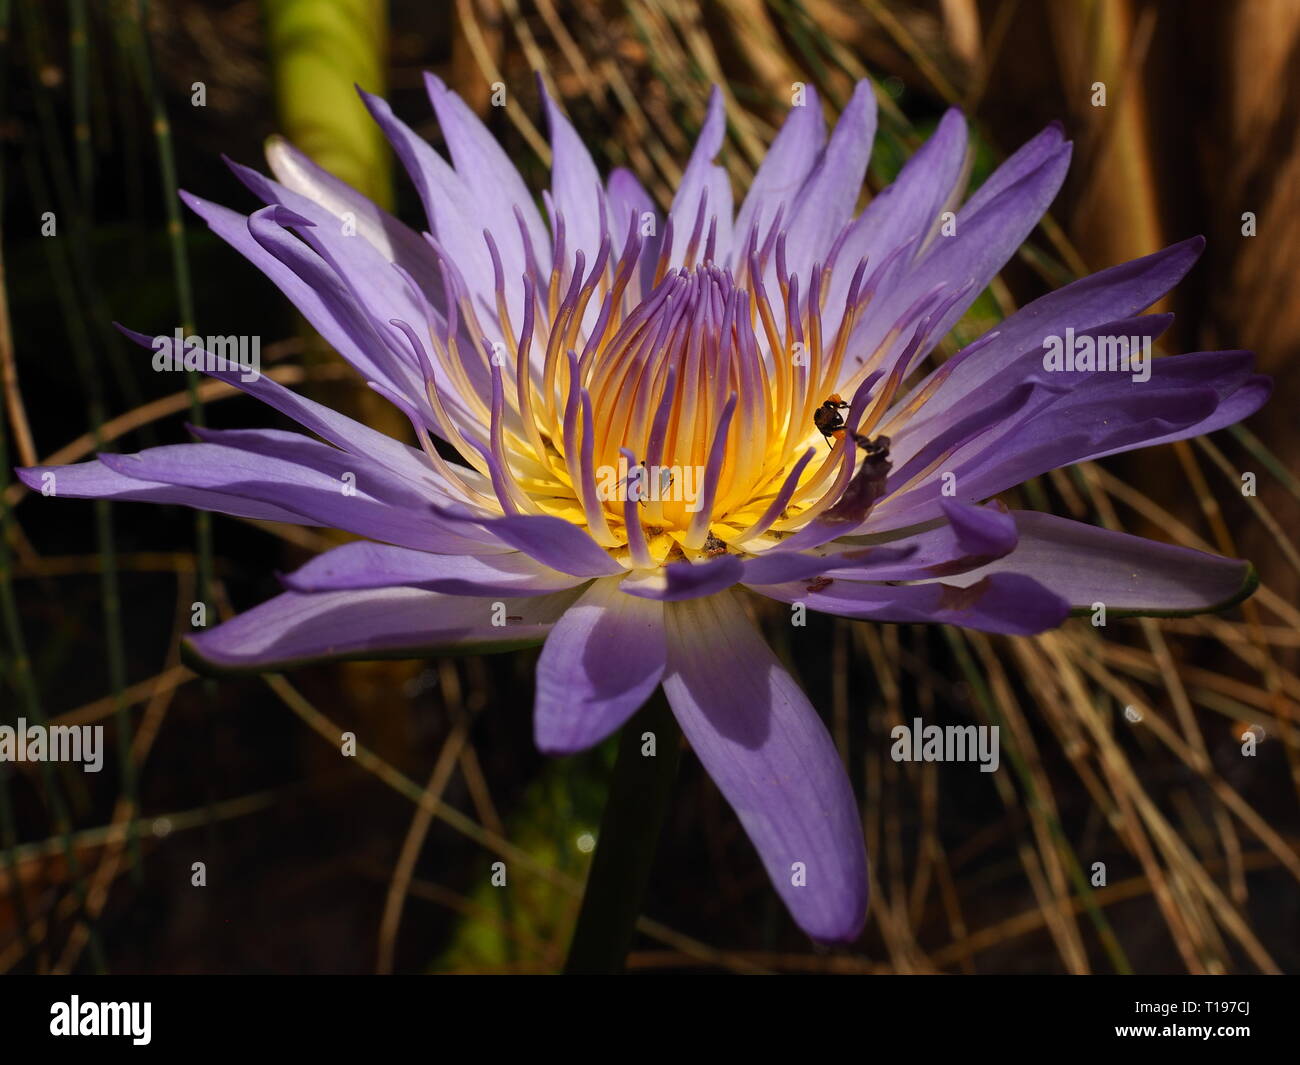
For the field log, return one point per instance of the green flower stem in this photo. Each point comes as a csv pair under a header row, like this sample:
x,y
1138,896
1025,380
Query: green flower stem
x,y
640,793
319,51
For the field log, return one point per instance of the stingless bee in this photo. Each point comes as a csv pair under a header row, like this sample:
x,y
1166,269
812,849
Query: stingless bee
x,y
828,419
830,423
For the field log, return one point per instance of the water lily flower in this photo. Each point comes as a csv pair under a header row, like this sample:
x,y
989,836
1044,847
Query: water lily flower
x,y
772,353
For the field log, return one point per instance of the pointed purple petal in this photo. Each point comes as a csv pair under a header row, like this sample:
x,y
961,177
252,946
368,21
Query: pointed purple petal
x,y
552,541
294,629
1006,603
953,400
1107,296
486,169
1060,430
310,479
828,198
970,537
602,661
769,753
684,580
627,196
1025,160
327,305
778,567
971,257
576,185
785,168
371,565
396,241
908,208
449,202
338,429
1128,574
94,480
703,174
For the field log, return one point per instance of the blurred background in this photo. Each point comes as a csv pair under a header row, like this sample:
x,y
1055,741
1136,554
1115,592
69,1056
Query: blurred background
x,y
382,862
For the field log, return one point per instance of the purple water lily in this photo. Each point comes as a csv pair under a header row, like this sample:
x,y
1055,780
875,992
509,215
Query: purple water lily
x,y
652,412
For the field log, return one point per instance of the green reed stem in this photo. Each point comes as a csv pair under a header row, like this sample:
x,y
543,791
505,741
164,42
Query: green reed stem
x,y
78,48
138,41
69,256
110,595
8,604
135,40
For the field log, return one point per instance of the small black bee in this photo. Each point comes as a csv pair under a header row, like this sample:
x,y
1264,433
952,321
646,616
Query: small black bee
x,y
828,419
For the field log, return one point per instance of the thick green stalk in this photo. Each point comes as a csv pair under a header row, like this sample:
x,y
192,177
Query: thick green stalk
x,y
640,793
320,50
